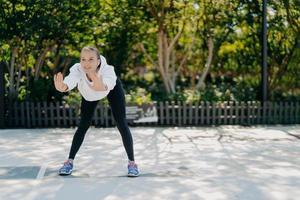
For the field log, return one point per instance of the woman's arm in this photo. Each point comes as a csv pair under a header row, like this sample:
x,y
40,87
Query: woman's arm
x,y
73,78
109,77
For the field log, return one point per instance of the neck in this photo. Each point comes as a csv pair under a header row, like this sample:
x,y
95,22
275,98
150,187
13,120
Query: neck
x,y
88,77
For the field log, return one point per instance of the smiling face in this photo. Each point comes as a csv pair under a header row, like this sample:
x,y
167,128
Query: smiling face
x,y
89,60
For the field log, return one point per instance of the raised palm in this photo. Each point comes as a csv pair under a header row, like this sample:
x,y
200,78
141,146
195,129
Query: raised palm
x,y
58,82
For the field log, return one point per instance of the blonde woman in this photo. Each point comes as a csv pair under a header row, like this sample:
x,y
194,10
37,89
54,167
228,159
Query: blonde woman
x,y
96,80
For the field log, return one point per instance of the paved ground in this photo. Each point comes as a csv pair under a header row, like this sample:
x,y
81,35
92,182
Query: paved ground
x,y
226,162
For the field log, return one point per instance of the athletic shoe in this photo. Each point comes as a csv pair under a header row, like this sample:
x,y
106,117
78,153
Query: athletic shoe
x,y
66,169
133,169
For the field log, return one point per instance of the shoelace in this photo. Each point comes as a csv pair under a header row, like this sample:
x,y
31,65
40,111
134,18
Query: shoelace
x,y
67,163
132,166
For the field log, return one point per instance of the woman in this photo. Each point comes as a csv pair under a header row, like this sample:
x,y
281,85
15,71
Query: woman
x,y
95,80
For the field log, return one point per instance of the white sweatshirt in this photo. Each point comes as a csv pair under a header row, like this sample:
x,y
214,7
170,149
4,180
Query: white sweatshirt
x,y
77,77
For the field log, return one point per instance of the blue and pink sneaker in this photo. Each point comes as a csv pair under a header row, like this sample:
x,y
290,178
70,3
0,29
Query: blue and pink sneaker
x,y
66,169
133,169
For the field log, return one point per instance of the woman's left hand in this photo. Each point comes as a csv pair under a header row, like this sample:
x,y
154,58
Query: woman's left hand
x,y
98,84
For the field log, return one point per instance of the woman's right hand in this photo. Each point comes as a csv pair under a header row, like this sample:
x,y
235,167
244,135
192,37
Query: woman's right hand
x,y
59,84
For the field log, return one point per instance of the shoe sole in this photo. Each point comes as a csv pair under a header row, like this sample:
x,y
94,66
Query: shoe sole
x,y
133,175
64,174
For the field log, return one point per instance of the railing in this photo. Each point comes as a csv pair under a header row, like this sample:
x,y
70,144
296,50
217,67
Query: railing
x,y
56,114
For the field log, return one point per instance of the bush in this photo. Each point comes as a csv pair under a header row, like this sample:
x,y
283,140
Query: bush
x,y
138,96
73,98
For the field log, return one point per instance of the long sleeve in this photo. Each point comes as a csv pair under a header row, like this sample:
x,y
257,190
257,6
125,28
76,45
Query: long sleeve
x,y
109,77
73,78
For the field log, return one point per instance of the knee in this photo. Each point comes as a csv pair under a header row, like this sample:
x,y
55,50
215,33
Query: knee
x,y
83,127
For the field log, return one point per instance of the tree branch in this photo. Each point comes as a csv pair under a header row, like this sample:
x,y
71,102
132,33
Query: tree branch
x,y
141,45
175,39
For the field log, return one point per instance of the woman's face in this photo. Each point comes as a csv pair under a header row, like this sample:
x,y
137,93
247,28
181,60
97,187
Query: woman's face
x,y
89,61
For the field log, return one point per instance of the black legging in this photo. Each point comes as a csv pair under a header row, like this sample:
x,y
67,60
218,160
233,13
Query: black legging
x,y
116,100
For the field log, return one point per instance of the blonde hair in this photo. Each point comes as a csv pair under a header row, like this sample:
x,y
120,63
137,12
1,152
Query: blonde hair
x,y
90,48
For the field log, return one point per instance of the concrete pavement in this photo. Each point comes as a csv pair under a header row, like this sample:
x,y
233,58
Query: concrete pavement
x,y
225,162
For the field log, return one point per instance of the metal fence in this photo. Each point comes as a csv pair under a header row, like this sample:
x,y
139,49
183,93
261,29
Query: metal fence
x,y
57,114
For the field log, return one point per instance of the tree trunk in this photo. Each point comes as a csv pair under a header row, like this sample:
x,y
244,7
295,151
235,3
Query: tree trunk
x,y
161,59
40,62
65,65
56,58
11,89
210,44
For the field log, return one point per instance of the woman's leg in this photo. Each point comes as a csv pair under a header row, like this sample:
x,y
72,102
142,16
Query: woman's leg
x,y
116,100
87,111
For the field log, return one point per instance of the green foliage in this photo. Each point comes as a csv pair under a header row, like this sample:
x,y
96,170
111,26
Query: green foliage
x,y
139,96
41,90
62,28
73,99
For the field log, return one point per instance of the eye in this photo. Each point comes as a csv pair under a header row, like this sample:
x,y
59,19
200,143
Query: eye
x,y
82,59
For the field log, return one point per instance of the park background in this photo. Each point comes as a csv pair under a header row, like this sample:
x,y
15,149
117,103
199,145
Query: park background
x,y
199,63
191,59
